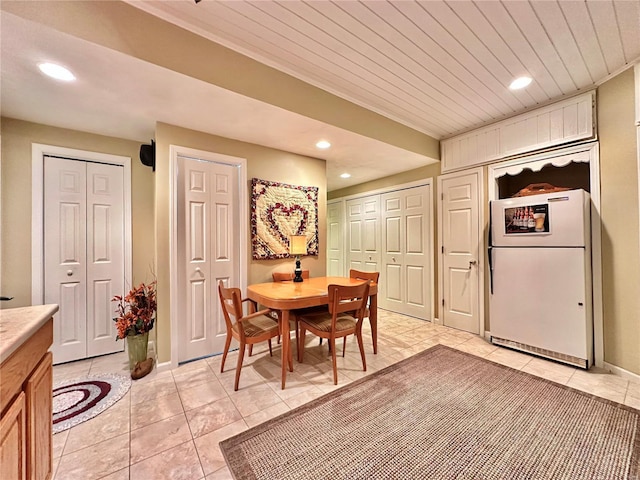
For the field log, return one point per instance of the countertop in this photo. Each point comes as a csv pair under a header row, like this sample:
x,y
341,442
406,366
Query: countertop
x,y
17,325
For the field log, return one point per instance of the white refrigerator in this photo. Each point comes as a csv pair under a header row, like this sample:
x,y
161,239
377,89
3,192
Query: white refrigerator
x,y
540,276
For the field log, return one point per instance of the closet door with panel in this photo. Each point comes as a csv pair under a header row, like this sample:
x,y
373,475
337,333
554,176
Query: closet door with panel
x,y
208,251
335,244
83,254
406,261
363,234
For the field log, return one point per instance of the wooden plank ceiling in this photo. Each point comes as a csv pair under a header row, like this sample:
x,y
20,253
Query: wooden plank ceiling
x,y
441,67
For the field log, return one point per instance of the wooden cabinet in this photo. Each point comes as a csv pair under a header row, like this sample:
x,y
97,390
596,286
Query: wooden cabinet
x,y
39,413
13,441
560,123
26,392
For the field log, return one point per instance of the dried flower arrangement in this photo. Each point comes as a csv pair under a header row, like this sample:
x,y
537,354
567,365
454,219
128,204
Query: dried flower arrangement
x,y
136,311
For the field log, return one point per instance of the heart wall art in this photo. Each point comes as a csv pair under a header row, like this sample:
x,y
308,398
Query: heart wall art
x,y
278,211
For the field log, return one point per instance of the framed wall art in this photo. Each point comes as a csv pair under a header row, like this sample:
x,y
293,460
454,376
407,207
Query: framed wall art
x,y
279,210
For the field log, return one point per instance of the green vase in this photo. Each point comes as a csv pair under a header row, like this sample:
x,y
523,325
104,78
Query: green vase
x,y
137,348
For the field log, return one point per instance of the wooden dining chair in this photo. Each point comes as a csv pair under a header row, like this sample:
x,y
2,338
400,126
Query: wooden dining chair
x,y
248,329
372,277
338,322
283,277
286,276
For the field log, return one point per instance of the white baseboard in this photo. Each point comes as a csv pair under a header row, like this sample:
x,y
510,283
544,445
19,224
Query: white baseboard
x,y
621,372
487,336
437,321
151,351
163,367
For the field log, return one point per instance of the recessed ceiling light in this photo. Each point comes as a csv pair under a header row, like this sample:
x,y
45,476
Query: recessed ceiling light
x,y
345,175
519,83
56,71
323,144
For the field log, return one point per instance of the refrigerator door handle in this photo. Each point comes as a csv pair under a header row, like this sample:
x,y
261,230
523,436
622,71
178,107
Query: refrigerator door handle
x,y
490,248
490,258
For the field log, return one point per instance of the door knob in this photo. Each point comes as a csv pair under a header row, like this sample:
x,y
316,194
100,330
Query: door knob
x,y
472,263
69,273
198,270
393,258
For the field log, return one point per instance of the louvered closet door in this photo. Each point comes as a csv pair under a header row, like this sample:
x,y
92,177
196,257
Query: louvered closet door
x,y
208,252
406,263
84,254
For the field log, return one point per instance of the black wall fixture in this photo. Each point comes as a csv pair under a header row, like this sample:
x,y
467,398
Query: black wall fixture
x,y
148,155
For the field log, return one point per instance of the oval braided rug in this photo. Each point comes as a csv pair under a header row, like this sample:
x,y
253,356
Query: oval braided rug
x,y
76,401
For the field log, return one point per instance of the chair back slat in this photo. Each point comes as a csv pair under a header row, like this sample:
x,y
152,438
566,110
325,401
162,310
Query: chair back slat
x,y
231,304
371,276
348,298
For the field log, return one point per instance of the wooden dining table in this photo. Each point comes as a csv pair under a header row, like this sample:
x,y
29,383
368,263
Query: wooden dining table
x,y
287,296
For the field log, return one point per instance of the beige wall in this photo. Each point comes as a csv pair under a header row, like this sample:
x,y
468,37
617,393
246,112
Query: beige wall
x,y
150,252
429,171
619,210
262,162
17,137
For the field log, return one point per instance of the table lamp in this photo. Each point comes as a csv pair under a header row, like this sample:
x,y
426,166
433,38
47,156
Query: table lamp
x,y
297,247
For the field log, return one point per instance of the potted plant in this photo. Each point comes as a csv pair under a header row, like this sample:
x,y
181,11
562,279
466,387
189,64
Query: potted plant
x,y
136,315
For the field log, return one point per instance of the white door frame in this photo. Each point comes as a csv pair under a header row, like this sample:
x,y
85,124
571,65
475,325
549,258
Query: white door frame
x,y
38,152
479,171
243,209
586,153
404,186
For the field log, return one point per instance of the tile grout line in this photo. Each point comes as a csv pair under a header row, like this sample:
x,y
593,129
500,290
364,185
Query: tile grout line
x,y
396,350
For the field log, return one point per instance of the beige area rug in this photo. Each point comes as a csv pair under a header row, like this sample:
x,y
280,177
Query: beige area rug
x,y
444,414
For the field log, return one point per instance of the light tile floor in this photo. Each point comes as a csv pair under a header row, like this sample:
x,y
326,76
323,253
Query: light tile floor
x,y
169,424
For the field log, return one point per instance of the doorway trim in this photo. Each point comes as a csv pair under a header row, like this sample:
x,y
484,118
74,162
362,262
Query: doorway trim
x,y
587,153
482,227
243,209
38,152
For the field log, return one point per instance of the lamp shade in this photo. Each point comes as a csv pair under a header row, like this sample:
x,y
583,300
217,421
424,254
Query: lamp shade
x,y
298,245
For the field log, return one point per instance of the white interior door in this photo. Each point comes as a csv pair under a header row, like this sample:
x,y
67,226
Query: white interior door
x,y
65,265
335,247
406,262
83,254
461,242
363,234
105,254
207,221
